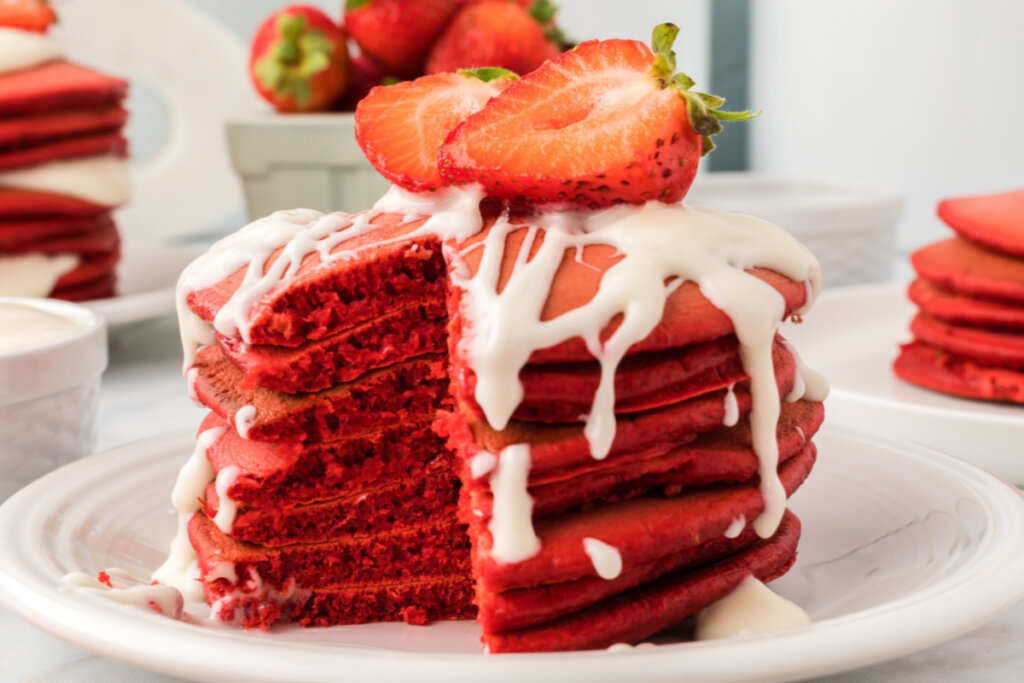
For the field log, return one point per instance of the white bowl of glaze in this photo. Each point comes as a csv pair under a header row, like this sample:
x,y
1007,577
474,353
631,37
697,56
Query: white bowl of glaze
x,y
49,386
850,228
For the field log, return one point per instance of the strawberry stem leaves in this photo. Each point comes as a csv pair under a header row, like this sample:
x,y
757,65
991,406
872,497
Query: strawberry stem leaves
x,y
703,109
290,64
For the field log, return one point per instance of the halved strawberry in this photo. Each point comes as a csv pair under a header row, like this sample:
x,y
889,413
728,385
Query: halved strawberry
x,y
27,15
400,126
299,60
605,123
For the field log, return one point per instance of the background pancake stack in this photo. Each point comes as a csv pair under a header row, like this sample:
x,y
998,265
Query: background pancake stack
x,y
969,331
61,147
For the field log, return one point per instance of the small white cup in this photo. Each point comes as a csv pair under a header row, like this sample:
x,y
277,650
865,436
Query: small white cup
x,y
49,393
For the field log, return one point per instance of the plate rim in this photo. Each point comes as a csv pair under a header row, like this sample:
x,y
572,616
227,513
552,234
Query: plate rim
x,y
50,608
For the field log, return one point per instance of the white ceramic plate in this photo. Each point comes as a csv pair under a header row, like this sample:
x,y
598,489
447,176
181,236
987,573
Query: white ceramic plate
x,y
146,277
853,335
903,548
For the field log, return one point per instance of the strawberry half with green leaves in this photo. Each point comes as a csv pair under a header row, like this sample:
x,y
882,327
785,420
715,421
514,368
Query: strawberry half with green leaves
x,y
605,123
397,34
27,15
299,60
400,126
493,33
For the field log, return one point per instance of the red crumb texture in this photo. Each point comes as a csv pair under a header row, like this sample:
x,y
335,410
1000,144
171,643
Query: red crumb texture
x,y
933,368
440,549
325,298
391,338
286,474
416,387
29,204
636,614
104,578
412,502
416,602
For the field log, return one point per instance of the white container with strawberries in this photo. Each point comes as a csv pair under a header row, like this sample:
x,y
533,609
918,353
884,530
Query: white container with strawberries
x,y
315,69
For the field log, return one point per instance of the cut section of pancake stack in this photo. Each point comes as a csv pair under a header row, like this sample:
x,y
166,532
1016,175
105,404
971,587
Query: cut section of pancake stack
x,y
61,149
355,475
969,330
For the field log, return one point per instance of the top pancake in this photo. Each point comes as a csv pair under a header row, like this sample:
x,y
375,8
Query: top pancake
x,y
386,258
57,86
966,268
995,221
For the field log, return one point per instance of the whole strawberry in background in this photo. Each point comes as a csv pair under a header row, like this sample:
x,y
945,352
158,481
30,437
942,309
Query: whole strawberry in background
x,y
397,34
365,75
27,15
495,33
299,60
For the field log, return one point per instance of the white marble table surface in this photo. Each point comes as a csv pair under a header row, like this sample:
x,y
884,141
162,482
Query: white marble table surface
x,y
143,394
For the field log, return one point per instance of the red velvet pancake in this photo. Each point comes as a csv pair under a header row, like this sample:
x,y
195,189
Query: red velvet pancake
x,y
933,368
19,204
387,556
722,456
14,232
89,270
65,148
274,475
414,602
965,310
561,449
636,614
564,392
99,239
410,389
316,304
669,525
57,86
393,337
996,349
102,287
27,131
966,268
995,221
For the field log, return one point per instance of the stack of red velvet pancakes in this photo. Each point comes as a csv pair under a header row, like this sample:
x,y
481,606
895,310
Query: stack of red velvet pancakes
x,y
61,171
577,421
969,331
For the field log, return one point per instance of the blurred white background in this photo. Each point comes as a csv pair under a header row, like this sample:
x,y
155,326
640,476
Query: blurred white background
x,y
917,95
922,95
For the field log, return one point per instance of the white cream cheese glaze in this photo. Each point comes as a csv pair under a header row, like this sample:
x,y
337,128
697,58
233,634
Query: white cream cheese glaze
x,y
606,558
129,590
26,49
34,275
750,609
24,327
511,525
180,569
102,180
